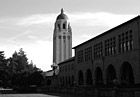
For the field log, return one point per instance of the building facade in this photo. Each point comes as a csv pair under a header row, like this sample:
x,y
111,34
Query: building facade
x,y
113,56
67,73
109,58
62,39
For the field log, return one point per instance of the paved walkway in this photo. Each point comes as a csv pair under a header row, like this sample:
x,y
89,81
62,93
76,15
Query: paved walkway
x,y
38,95
25,95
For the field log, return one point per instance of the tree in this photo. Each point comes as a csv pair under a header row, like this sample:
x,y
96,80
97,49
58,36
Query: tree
x,y
17,72
20,70
3,70
2,60
36,78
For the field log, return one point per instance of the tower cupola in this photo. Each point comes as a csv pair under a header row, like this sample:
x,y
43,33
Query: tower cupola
x,y
62,15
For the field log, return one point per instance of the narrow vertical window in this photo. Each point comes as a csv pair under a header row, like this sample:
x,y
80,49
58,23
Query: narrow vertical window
x,y
131,44
69,37
64,26
59,37
59,26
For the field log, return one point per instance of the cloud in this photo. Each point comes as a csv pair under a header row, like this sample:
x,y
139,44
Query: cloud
x,y
37,19
32,37
36,26
20,35
40,52
99,19
79,19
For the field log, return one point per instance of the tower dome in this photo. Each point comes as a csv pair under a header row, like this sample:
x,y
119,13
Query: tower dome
x,y
62,15
62,39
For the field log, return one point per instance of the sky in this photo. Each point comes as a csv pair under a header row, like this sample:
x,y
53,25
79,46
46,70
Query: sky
x,y
29,24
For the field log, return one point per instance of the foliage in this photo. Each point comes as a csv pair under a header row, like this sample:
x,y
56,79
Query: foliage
x,y
16,71
36,79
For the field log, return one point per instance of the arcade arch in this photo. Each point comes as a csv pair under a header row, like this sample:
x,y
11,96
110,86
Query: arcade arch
x,y
49,82
89,80
80,78
98,76
110,75
126,74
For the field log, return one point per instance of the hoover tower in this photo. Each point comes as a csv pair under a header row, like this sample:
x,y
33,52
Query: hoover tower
x,y
62,39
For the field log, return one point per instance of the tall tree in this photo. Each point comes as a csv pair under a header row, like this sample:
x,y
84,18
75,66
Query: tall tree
x,y
2,60
20,69
3,70
21,60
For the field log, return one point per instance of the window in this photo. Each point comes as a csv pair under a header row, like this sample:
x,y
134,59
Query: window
x,y
59,37
72,66
110,46
59,26
64,37
80,56
125,41
66,68
68,37
88,54
69,67
98,50
63,69
60,69
64,26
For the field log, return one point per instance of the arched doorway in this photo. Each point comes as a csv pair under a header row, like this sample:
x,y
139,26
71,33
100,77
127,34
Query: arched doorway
x,y
98,76
80,78
49,82
89,77
127,77
110,74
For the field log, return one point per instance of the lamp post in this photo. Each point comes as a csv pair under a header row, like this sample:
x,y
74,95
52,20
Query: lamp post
x,y
115,82
54,67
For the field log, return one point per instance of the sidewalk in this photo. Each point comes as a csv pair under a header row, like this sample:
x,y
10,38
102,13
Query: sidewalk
x,y
66,95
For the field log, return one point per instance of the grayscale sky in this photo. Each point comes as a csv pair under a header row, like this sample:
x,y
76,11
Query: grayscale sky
x,y
29,24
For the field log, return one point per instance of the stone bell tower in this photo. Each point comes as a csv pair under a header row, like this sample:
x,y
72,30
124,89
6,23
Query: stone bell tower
x,y
62,39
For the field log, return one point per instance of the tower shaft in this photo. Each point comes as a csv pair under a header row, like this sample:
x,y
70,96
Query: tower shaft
x,y
62,39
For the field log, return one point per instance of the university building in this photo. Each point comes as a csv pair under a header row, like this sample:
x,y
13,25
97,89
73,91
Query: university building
x,y
109,59
111,56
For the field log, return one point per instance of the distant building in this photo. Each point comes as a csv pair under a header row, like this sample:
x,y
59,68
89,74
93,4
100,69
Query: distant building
x,y
62,45
112,55
110,58
67,73
48,77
